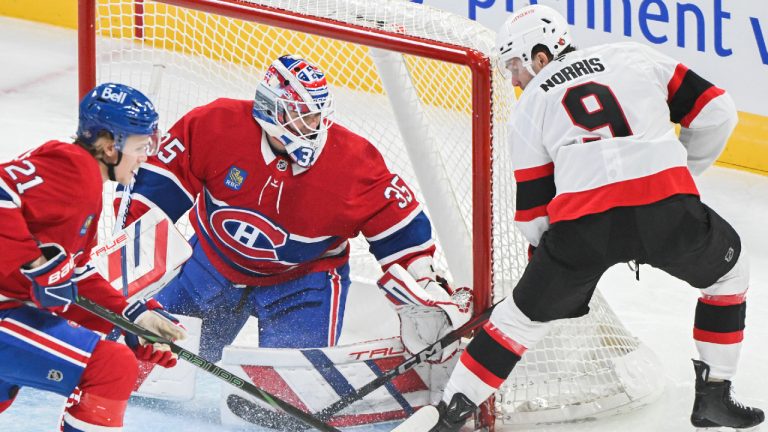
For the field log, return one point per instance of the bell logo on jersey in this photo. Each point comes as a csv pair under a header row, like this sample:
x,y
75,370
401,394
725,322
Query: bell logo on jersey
x,y
108,94
248,233
235,178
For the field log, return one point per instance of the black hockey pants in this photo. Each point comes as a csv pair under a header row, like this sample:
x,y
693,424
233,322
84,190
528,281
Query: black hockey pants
x,y
679,235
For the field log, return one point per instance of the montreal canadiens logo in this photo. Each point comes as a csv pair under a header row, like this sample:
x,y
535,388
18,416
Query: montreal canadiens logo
x,y
248,233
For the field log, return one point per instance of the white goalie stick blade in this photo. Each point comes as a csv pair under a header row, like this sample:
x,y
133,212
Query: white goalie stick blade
x,y
422,421
139,259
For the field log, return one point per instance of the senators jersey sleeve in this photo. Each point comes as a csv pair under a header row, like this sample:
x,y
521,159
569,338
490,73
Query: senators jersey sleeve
x,y
594,130
51,195
706,113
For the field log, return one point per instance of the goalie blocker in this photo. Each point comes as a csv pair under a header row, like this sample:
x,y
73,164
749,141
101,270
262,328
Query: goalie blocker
x,y
138,261
141,258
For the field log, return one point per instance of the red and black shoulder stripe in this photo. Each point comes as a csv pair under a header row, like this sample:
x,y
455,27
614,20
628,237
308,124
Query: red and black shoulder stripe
x,y
688,93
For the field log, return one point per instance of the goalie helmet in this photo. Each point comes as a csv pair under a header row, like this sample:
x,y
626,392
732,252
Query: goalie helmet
x,y
293,104
120,110
530,26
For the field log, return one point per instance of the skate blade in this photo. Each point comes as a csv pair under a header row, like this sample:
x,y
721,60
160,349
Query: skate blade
x,y
728,429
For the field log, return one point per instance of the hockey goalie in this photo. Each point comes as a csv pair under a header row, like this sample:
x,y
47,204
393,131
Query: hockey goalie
x,y
275,190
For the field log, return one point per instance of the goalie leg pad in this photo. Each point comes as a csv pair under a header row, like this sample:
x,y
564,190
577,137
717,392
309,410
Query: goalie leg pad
x,y
313,379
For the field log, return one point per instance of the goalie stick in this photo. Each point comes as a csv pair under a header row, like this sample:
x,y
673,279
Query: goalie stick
x,y
204,364
253,413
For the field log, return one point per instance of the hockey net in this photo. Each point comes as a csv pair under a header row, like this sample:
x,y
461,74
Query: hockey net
x,y
422,85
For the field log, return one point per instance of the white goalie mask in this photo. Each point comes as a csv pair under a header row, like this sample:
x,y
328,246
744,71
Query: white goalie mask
x,y
528,27
293,104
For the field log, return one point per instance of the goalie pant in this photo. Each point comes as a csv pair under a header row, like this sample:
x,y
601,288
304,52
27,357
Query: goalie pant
x,y
305,312
678,235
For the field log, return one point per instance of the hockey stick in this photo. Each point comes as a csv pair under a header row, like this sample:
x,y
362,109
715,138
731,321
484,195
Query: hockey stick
x,y
253,413
204,364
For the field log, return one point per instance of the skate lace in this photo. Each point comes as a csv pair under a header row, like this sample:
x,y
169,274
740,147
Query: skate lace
x,y
735,403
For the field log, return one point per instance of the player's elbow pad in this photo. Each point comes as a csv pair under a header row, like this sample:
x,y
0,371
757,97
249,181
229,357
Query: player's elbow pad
x,y
705,143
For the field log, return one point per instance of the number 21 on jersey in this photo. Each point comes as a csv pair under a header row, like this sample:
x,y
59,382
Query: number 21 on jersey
x,y
23,173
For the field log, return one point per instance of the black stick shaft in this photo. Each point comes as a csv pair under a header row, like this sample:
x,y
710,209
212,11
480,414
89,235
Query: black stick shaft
x,y
408,364
205,365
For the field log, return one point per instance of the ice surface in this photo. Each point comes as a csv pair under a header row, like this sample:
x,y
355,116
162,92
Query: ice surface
x,y
38,102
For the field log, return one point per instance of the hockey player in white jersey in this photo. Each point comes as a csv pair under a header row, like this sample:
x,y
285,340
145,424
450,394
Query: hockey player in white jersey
x,y
602,178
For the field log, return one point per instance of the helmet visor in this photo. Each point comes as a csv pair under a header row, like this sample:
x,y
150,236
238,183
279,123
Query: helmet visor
x,y
513,68
141,145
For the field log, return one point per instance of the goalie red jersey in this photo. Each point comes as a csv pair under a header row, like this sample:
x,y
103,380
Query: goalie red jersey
x,y
52,195
262,219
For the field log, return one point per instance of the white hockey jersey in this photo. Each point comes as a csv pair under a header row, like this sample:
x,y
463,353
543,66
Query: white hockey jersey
x,y
594,130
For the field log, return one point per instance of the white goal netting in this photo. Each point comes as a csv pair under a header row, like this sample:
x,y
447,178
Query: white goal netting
x,y
418,110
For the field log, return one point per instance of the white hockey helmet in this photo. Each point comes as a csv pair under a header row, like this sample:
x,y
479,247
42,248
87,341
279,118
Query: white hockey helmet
x,y
530,26
293,104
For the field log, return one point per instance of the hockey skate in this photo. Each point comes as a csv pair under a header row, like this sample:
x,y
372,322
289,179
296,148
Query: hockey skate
x,y
714,405
455,414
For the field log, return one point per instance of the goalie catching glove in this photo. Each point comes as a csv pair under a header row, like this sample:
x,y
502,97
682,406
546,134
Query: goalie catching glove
x,y
149,313
428,308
